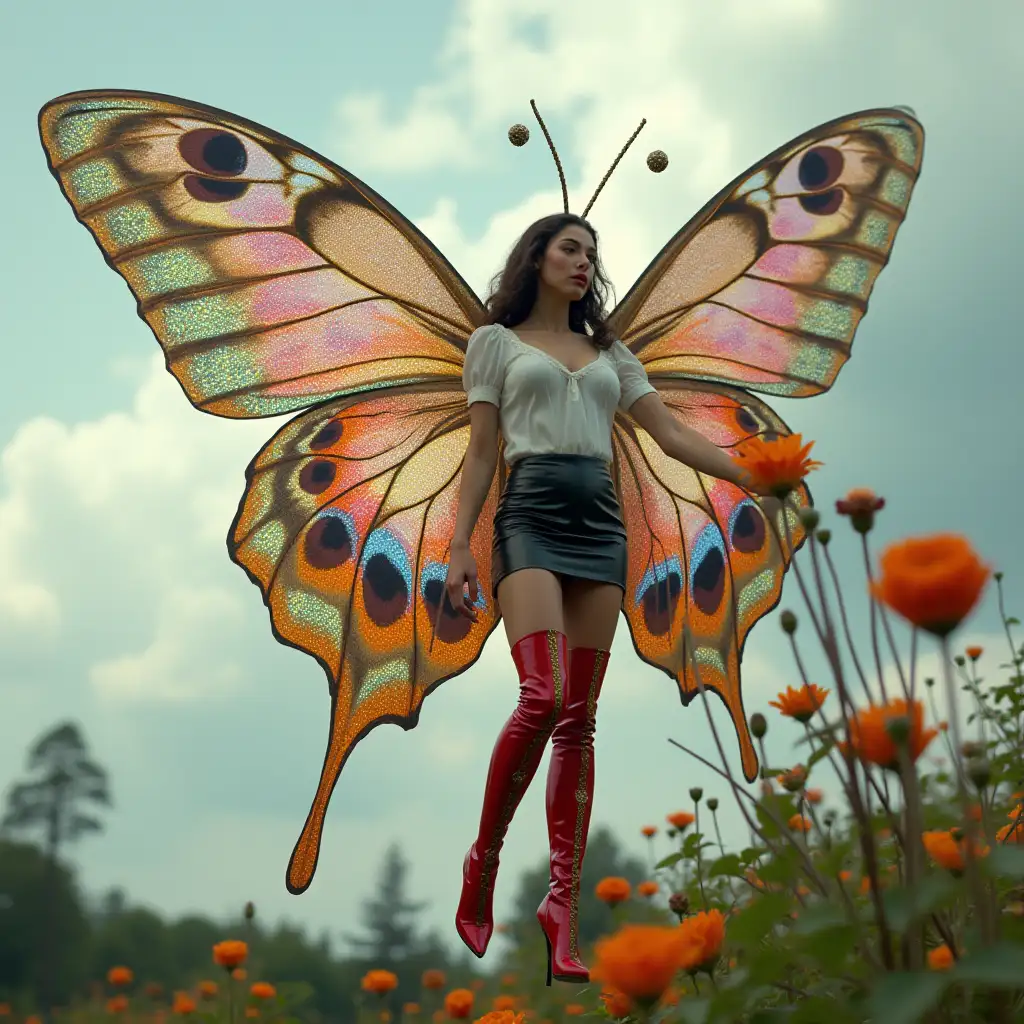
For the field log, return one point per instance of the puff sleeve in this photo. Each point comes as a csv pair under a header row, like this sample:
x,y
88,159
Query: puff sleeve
x,y
484,370
633,381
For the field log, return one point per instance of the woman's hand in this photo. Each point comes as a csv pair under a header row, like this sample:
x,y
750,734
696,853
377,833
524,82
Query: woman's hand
x,y
462,572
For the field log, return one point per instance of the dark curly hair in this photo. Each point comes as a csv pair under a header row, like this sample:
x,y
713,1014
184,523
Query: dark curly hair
x,y
514,290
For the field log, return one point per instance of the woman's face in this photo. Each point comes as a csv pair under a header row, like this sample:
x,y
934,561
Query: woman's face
x,y
568,264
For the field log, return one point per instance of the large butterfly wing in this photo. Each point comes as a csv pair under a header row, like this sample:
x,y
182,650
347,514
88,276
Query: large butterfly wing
x,y
345,526
706,559
271,277
766,285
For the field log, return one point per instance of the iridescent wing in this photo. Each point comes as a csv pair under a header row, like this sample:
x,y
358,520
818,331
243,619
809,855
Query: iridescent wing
x,y
763,289
271,277
275,281
345,526
706,559
766,285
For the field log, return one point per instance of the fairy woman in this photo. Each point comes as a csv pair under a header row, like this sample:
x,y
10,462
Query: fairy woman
x,y
386,524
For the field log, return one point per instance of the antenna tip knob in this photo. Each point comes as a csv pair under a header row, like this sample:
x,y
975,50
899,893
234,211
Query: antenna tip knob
x,y
657,160
519,135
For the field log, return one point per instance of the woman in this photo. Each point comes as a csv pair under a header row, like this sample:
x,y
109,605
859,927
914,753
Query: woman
x,y
548,374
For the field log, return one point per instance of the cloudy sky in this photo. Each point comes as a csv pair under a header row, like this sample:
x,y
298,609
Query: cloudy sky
x,y
118,604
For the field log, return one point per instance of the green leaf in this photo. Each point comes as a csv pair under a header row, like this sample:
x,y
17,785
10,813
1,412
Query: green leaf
x,y
903,997
1005,861
904,906
728,865
1012,621
693,1011
667,862
779,1015
998,966
820,918
818,1009
819,754
755,921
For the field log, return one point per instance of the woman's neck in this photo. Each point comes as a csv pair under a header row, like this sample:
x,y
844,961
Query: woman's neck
x,y
550,314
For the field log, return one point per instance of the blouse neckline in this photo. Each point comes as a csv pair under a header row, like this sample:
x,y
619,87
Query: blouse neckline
x,y
547,355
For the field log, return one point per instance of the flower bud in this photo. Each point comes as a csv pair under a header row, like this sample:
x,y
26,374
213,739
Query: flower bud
x,y
810,517
758,725
972,748
679,904
712,803
998,575
250,910
929,681
788,622
898,728
696,793
824,536
959,660
979,771
830,818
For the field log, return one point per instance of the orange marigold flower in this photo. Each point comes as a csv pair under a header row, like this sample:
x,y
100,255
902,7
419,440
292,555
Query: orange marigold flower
x,y
793,780
5,1009
508,980
860,504
379,982
933,582
477,984
940,958
613,890
120,976
239,974
504,1003
801,703
947,850
262,990
649,831
705,933
641,960
680,820
974,653
813,796
384,1017
459,1004
616,1004
648,888
433,979
251,1012
799,823
500,1017
183,1005
154,990
775,467
117,1004
230,954
670,997
410,1009
207,989
845,876
575,1010
33,1019
1011,834
871,740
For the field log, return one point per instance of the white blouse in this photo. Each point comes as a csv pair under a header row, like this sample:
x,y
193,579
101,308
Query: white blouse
x,y
545,408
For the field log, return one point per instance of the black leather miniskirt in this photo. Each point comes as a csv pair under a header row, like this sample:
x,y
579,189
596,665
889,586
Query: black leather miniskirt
x,y
560,513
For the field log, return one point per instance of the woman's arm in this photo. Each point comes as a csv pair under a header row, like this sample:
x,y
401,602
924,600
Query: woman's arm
x,y
683,443
477,469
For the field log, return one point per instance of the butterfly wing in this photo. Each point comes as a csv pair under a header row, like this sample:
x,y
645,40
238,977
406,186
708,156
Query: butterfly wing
x,y
345,526
764,289
271,277
706,559
766,285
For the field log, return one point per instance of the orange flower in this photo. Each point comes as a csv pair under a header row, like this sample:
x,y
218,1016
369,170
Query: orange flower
x,y
705,933
640,961
860,505
508,980
648,888
845,876
940,958
1011,834
239,974
154,990
410,1009
798,823
504,1003
379,982
575,1010
775,467
680,820
800,704
208,989
262,990
230,954
933,582
616,1004
252,1012
613,891
184,1004
459,1004
438,1017
33,1019
477,984
870,738
119,976
670,997
499,1017
793,780
433,979
813,796
117,1004
649,831
5,1009
974,653
384,1017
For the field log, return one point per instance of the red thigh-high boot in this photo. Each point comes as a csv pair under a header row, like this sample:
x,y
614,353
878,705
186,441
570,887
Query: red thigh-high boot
x,y
540,659
570,795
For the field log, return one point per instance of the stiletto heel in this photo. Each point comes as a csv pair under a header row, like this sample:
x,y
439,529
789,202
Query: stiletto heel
x,y
547,942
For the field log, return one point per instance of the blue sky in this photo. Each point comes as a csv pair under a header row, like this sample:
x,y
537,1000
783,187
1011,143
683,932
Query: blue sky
x,y
118,605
